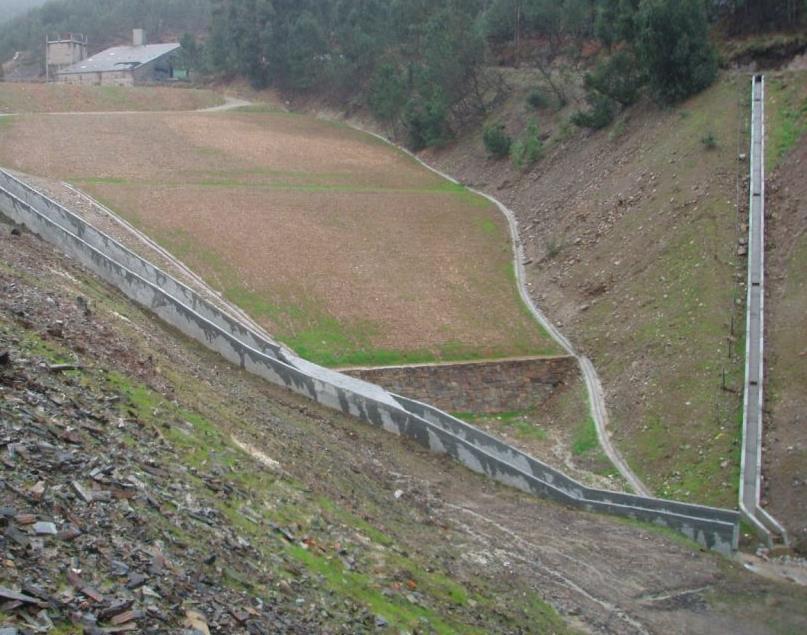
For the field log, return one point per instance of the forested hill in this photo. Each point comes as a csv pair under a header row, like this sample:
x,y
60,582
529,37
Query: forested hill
x,y
103,21
11,8
423,66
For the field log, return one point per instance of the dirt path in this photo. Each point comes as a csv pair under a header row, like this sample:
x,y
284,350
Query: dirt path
x,y
230,103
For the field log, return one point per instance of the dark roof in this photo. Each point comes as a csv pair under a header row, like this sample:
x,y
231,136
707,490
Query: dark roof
x,y
120,58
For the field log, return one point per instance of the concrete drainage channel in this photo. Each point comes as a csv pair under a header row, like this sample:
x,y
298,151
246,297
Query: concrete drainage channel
x,y
182,308
766,526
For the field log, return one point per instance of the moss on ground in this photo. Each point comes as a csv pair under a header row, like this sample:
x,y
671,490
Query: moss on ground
x,y
785,115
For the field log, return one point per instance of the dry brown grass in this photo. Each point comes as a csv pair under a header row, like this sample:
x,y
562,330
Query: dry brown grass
x,y
24,98
343,247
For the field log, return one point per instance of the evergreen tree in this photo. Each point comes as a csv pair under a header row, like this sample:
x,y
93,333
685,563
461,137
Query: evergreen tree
x,y
672,43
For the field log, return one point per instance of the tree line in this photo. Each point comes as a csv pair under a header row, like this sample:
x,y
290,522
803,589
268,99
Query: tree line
x,y
424,65
102,21
11,8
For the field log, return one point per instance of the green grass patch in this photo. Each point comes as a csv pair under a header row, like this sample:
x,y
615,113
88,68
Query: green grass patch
x,y
363,589
487,225
519,423
50,351
585,437
260,108
785,114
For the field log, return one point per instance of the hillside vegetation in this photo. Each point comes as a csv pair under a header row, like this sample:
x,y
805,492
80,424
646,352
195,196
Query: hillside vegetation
x,y
12,8
104,22
632,236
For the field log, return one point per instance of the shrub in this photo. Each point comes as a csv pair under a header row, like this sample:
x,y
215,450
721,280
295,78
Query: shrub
x,y
537,99
386,92
425,120
709,141
620,78
672,43
600,114
528,148
497,141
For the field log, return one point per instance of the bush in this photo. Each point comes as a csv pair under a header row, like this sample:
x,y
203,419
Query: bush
x,y
387,92
709,141
497,141
528,147
601,113
537,99
620,78
672,43
425,120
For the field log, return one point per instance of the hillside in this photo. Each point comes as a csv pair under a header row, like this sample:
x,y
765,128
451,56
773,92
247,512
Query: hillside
x,y
787,309
632,235
189,492
54,98
343,248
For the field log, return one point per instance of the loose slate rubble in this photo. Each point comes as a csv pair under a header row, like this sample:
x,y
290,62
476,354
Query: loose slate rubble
x,y
92,504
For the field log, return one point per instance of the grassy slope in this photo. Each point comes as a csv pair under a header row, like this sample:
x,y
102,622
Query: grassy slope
x,y
786,306
665,326
31,98
351,315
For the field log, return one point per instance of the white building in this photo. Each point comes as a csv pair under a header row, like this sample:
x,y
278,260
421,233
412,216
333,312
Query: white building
x,y
140,63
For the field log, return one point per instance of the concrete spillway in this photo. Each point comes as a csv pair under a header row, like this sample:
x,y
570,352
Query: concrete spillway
x,y
765,525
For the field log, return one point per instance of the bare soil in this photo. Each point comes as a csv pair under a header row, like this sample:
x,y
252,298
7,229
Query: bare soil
x,y
341,510
339,245
785,450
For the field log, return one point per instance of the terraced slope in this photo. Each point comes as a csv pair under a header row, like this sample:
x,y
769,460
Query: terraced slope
x,y
343,248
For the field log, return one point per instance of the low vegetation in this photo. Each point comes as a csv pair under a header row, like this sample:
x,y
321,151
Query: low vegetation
x,y
41,98
528,147
786,115
302,552
497,141
344,248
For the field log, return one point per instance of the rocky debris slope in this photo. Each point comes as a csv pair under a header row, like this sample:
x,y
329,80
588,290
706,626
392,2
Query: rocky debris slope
x,y
188,496
102,525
